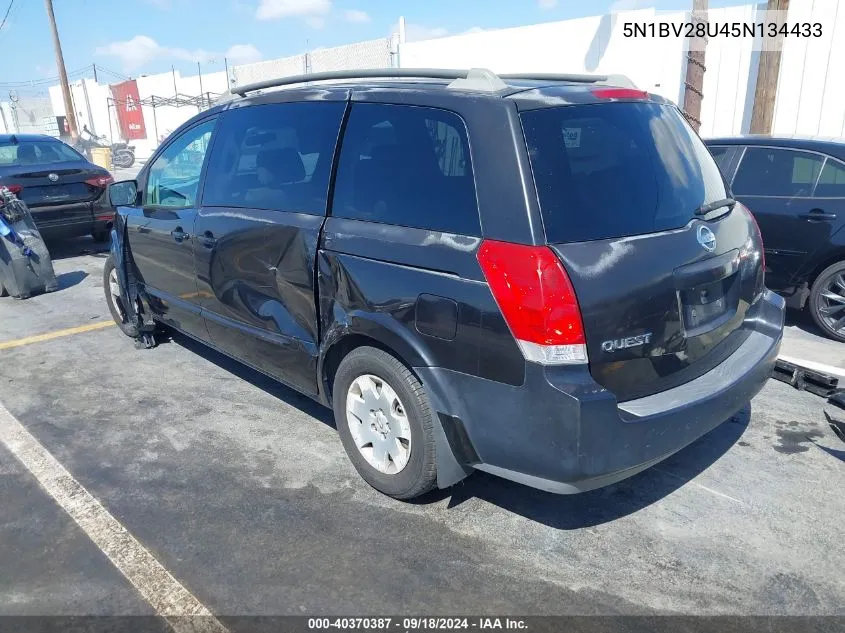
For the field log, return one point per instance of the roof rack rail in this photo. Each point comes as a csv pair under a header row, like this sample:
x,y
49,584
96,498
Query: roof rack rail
x,y
476,79
620,81
367,73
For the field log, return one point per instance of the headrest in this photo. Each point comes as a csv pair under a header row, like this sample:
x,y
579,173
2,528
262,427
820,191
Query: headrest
x,y
26,152
284,163
387,154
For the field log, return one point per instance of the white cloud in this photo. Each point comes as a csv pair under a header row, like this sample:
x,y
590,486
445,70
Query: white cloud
x,y
629,5
161,4
473,29
243,54
355,15
142,49
315,22
547,4
46,71
277,9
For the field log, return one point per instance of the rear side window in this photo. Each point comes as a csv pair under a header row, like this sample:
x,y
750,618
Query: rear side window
x,y
408,166
832,180
35,152
766,171
720,154
615,169
276,156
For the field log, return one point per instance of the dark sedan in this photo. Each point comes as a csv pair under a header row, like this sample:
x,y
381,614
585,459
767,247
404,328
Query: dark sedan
x,y
795,187
64,191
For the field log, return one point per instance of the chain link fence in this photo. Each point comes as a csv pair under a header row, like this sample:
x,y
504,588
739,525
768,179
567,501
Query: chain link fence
x,y
369,54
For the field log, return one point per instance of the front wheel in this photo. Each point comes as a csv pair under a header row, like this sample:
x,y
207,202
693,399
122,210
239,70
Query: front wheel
x,y
115,300
385,422
827,301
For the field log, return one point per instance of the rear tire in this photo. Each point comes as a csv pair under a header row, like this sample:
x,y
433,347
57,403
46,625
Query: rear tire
x,y
827,301
393,443
116,308
101,236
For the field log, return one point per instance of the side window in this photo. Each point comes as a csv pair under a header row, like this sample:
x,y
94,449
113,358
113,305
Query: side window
x,y
407,166
276,156
832,180
777,172
174,178
720,154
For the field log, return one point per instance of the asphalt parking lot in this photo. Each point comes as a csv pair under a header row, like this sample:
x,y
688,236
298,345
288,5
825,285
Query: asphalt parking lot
x,y
241,490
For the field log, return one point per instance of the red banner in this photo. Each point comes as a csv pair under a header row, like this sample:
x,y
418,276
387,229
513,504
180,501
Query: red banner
x,y
130,116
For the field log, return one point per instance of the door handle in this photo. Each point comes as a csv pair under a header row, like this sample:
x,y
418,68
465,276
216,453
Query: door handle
x,y
817,215
208,240
179,235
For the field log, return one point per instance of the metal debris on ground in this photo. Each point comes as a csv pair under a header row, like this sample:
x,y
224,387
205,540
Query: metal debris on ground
x,y
25,264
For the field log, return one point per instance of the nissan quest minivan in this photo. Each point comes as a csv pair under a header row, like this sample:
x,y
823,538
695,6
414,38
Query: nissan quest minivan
x,y
543,277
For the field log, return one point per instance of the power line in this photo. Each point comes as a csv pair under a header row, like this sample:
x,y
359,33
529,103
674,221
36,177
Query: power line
x,y
112,72
6,17
46,80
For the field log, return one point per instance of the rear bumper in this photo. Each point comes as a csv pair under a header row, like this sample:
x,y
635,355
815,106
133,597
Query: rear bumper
x,y
74,220
562,432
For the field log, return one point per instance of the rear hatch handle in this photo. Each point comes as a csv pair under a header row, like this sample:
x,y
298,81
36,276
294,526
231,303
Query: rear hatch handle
x,y
707,271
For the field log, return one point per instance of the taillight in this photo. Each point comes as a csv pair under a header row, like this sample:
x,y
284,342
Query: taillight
x,y
15,189
619,93
759,235
537,300
99,181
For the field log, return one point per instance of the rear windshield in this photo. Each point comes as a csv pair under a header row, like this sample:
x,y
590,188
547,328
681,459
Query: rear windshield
x,y
35,152
615,169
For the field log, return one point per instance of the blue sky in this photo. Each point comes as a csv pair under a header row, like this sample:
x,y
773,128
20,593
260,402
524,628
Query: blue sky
x,y
133,37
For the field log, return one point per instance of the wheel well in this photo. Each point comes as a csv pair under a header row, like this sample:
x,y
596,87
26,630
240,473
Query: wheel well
x,y
342,348
838,257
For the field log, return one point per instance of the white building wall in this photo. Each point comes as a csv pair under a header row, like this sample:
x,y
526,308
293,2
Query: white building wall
x,y
91,104
584,45
811,94
811,91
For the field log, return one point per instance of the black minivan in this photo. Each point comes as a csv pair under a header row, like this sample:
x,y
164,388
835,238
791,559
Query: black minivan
x,y
541,277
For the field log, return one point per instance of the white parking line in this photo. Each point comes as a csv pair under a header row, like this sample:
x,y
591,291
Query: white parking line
x,y
698,485
170,599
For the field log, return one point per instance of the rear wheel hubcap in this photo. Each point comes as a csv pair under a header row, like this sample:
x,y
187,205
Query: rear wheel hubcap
x,y
378,423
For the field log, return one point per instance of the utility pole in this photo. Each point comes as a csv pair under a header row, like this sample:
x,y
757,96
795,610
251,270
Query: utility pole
x,y
70,115
95,73
694,83
768,72
199,74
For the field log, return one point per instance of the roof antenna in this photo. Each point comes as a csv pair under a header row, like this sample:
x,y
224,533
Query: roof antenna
x,y
480,79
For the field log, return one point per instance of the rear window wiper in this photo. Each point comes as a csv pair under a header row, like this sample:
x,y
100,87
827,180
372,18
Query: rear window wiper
x,y
704,209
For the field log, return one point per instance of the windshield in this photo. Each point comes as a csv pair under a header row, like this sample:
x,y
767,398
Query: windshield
x,y
36,152
616,169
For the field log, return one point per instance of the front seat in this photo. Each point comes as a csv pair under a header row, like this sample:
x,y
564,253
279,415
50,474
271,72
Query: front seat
x,y
280,170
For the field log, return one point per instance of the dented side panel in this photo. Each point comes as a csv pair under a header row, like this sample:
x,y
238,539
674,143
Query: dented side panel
x,y
255,282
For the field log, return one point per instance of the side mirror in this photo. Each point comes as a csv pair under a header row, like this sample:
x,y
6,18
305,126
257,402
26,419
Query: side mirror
x,y
123,193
